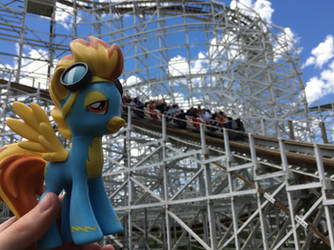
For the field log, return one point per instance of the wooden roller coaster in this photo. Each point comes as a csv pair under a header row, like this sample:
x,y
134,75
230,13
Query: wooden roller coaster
x,y
300,154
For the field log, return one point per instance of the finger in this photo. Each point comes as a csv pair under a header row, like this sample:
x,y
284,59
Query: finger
x,y
28,229
92,246
108,247
7,223
72,246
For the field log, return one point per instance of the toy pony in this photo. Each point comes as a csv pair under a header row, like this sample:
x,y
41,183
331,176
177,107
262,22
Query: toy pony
x,y
87,98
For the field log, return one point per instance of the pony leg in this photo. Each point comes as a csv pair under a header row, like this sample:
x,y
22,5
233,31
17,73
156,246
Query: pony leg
x,y
65,217
104,212
84,227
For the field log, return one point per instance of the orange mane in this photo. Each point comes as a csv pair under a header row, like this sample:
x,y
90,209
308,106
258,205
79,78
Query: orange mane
x,y
103,60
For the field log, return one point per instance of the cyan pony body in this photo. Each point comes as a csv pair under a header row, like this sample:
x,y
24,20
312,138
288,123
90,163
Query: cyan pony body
x,y
87,214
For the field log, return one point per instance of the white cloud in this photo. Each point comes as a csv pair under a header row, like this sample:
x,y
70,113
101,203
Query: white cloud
x,y
309,61
318,87
322,53
262,7
328,75
178,66
314,89
132,80
135,88
64,15
199,65
240,4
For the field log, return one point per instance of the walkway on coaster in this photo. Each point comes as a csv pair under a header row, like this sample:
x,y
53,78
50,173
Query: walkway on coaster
x,y
254,193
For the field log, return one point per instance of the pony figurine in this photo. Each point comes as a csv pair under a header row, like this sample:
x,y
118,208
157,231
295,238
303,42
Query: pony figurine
x,y
87,98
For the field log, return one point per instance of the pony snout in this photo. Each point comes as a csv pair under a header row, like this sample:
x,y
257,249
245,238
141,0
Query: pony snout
x,y
115,124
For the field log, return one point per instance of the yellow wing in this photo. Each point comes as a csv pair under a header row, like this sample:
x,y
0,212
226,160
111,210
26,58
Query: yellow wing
x,y
36,127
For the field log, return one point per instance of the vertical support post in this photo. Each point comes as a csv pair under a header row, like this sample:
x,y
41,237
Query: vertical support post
x,y
38,91
164,128
5,103
167,221
207,183
277,128
188,51
145,230
328,213
22,31
203,141
51,40
263,128
292,215
165,182
75,31
258,196
128,138
323,132
129,118
202,187
230,185
291,130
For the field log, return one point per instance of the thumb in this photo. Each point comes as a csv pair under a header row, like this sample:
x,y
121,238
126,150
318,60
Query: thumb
x,y
32,226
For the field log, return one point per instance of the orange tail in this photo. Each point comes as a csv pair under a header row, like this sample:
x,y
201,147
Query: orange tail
x,y
21,181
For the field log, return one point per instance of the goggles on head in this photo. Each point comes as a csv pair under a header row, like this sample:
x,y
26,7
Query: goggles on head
x,y
78,75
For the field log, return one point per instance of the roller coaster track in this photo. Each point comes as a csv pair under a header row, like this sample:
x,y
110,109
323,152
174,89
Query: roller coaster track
x,y
298,153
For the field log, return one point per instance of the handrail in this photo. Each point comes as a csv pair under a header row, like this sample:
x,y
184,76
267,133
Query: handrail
x,y
298,158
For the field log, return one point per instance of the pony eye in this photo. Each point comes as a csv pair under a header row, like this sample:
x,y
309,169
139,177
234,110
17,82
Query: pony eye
x,y
98,107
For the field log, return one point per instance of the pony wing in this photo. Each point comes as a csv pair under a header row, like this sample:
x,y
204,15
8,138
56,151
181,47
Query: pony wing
x,y
38,131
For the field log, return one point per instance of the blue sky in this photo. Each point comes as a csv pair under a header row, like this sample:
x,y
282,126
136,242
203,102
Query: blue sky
x,y
312,23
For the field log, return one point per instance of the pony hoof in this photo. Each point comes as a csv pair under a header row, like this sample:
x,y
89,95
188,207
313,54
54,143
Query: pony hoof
x,y
86,234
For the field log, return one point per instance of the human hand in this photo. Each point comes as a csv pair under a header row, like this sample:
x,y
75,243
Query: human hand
x,y
19,234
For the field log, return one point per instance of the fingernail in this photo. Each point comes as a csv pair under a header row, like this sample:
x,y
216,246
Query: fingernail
x,y
45,203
